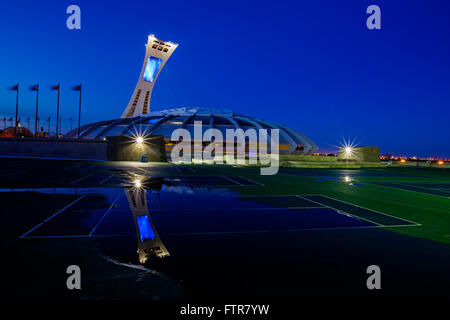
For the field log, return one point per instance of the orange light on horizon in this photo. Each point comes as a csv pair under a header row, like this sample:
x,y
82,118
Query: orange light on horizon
x,y
440,162
402,160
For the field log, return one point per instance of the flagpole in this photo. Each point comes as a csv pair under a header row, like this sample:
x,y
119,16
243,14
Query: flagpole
x,y
17,109
57,115
36,119
79,114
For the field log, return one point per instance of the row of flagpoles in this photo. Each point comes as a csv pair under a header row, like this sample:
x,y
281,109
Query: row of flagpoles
x,y
5,119
36,88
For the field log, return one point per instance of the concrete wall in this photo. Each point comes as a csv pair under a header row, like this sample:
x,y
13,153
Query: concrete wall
x,y
292,157
54,148
360,154
123,148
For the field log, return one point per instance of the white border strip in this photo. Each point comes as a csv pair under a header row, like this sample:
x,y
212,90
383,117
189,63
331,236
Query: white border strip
x,y
78,180
229,179
337,210
104,180
371,210
258,183
103,217
52,216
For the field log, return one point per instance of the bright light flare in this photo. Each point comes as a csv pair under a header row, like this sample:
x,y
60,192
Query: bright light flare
x,y
403,160
440,162
137,183
347,179
139,140
348,150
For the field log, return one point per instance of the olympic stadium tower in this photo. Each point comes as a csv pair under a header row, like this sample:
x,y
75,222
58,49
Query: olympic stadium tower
x,y
137,119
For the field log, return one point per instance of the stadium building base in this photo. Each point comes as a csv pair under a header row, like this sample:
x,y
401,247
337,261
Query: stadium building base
x,y
111,149
53,148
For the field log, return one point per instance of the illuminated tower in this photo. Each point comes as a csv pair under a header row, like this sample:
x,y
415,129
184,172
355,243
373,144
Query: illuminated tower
x,y
149,242
156,55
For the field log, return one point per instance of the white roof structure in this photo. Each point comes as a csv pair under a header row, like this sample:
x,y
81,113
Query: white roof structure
x,y
164,122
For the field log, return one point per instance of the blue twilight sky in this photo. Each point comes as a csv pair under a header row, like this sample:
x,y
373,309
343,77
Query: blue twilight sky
x,y
311,65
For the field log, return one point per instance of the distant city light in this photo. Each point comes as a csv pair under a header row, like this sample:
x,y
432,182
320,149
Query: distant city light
x,y
440,162
403,160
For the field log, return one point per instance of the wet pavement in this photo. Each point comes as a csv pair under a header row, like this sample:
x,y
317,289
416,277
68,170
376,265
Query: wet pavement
x,y
170,232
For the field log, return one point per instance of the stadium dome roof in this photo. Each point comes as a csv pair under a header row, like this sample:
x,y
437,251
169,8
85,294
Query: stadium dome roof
x,y
164,122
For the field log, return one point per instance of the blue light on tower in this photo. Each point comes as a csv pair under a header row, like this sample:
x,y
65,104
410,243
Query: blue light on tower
x,y
145,228
151,68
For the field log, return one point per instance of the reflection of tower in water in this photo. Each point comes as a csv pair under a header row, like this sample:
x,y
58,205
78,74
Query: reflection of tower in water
x,y
149,243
